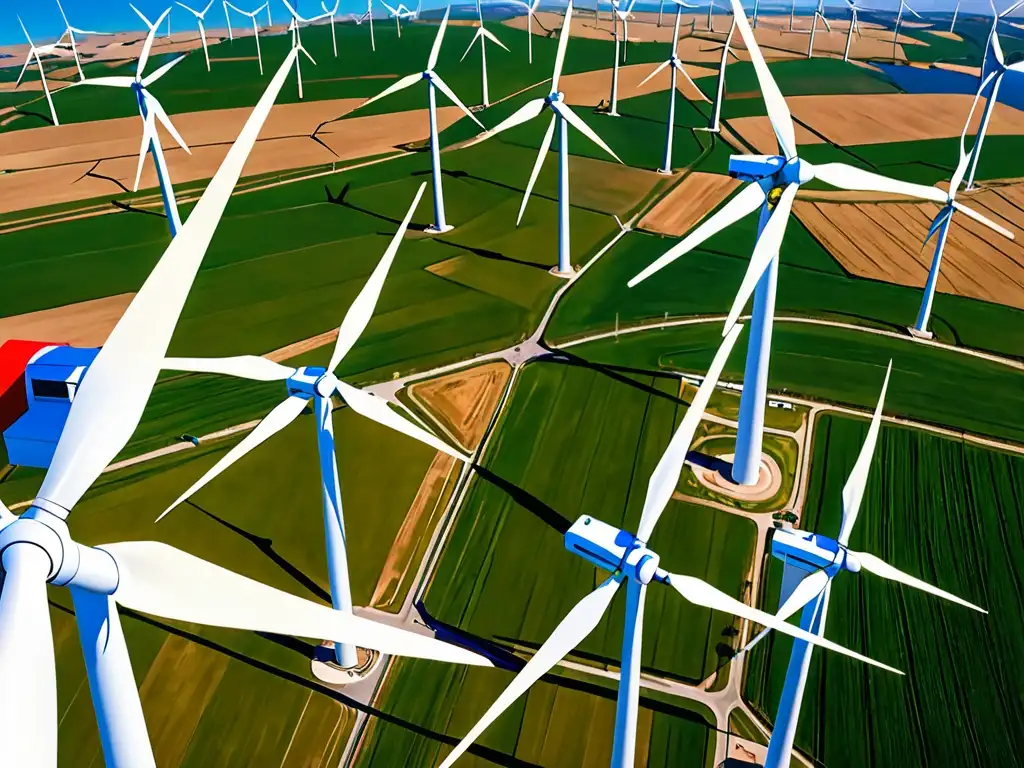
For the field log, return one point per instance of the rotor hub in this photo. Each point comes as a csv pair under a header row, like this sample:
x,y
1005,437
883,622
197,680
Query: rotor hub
x,y
851,562
326,385
642,564
41,529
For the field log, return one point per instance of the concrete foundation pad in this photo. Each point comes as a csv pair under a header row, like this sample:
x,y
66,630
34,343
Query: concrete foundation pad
x,y
326,670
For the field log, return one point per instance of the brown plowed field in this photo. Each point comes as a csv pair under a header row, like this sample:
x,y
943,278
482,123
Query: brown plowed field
x,y
682,208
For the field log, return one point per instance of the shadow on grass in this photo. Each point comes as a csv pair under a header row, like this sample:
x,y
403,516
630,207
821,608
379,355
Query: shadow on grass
x,y
526,500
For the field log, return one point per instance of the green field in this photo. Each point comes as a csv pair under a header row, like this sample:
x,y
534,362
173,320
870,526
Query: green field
x,y
950,514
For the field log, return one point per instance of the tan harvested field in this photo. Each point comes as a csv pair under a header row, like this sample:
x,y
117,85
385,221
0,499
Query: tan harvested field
x,y
591,88
758,132
691,200
463,401
605,185
883,241
84,324
974,71
946,34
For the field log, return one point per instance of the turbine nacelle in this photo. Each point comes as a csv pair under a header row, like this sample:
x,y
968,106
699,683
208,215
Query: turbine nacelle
x,y
774,168
312,381
554,96
813,552
612,549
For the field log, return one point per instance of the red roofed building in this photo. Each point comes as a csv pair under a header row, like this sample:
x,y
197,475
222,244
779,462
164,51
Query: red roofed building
x,y
15,355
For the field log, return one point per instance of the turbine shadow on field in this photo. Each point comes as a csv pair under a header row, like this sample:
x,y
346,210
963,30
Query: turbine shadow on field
x,y
339,199
486,253
45,119
710,463
266,546
619,374
526,500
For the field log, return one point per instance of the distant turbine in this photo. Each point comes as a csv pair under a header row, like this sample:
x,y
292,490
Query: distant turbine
x,y
202,30
71,31
955,12
618,14
397,14
711,10
853,26
819,13
773,181
369,15
320,384
792,14
754,15
624,17
483,35
661,10
675,66
151,112
295,28
899,22
564,117
714,125
331,12
631,562
34,52
530,11
255,27
433,81
227,17
811,562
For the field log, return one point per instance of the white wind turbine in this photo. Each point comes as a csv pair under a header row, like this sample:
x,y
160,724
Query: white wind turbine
x,y
812,561
433,81
151,112
854,27
331,13
630,561
819,13
296,29
368,16
34,52
773,181
530,11
618,14
397,14
227,17
71,31
146,576
711,10
956,12
899,22
714,126
564,117
255,27
202,29
483,35
675,66
320,384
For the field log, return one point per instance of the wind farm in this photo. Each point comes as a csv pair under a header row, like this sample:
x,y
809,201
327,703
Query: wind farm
x,y
422,447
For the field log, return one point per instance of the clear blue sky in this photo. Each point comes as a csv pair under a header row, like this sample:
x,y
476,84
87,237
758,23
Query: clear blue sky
x,y
44,23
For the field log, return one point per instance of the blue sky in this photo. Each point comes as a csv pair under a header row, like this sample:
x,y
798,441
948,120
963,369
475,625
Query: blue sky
x,y
44,23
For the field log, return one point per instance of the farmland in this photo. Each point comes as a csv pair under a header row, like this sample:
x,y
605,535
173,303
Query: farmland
x,y
951,514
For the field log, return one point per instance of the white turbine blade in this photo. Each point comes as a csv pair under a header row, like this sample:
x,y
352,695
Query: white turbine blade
x,y
778,110
158,579
398,85
487,33
573,630
938,221
808,589
879,567
961,168
545,145
983,220
376,408
665,477
250,367
527,112
190,10
148,45
64,15
853,491
656,70
158,73
6,516
110,400
701,593
359,314
563,42
912,10
283,414
682,70
1011,9
766,249
112,81
148,129
435,50
846,176
155,107
443,87
577,122
476,36
746,201
997,48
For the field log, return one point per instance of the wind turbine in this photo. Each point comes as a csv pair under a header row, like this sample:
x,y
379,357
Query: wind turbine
x,y
624,18
320,384
812,561
369,15
227,17
819,13
202,30
331,12
145,576
71,31
675,65
255,27
483,35
151,112
773,181
630,561
899,21
564,117
711,10
714,126
34,52
956,11
433,81
530,11
618,14
397,14
295,28
853,26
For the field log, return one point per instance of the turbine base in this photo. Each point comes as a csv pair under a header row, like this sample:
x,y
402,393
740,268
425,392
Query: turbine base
x,y
926,335
564,275
432,230
717,477
326,669
663,172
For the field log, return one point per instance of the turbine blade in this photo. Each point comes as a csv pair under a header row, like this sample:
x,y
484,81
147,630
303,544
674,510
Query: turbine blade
x,y
112,81
359,314
155,107
577,122
471,44
527,112
148,45
846,176
6,516
545,146
110,400
656,70
808,589
853,491
983,220
396,86
443,87
879,567
778,110
961,168
682,70
701,593
744,202
283,414
766,249
435,50
250,367
148,129
487,33
563,43
665,477
158,73
573,630
938,221
159,580
376,409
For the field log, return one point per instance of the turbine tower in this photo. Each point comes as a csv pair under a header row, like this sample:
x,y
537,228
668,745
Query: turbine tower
x,y
956,12
433,81
899,22
34,52
618,14
71,31
227,18
812,561
145,576
854,26
369,15
773,181
530,11
255,27
676,65
331,13
630,561
151,111
295,27
564,117
202,29
714,126
397,14
819,13
483,35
